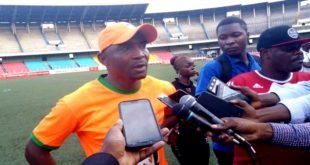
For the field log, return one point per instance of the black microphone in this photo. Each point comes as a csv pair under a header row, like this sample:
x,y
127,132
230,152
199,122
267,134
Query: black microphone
x,y
181,111
190,102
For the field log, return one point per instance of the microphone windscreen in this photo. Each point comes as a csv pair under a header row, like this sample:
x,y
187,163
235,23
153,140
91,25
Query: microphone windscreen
x,y
188,100
176,109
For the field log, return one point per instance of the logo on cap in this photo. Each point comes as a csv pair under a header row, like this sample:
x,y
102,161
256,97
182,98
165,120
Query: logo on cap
x,y
292,33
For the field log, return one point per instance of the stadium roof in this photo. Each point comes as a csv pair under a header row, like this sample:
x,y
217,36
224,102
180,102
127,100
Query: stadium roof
x,y
36,13
155,6
186,5
70,2
103,10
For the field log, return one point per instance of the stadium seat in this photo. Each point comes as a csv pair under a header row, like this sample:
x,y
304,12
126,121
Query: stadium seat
x,y
1,70
85,61
8,42
32,36
73,39
153,59
36,65
95,58
61,63
15,67
165,56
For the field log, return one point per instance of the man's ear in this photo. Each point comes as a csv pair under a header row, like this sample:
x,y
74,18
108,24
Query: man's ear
x,y
101,57
265,53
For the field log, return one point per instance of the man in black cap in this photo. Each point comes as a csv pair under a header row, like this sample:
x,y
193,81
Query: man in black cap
x,y
281,59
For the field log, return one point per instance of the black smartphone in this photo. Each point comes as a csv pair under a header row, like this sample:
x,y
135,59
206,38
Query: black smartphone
x,y
219,107
140,125
166,100
172,99
177,95
221,90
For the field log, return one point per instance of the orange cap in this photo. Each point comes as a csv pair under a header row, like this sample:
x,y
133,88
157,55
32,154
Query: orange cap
x,y
121,32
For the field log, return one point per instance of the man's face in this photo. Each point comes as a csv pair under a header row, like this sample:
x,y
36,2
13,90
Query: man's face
x,y
232,39
286,58
128,61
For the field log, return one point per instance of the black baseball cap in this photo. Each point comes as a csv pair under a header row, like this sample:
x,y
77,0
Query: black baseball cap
x,y
279,36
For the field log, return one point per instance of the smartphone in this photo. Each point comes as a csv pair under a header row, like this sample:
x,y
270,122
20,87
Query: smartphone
x,y
140,125
177,95
172,99
219,107
221,90
166,100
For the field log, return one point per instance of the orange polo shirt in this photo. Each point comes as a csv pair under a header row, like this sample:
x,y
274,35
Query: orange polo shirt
x,y
92,110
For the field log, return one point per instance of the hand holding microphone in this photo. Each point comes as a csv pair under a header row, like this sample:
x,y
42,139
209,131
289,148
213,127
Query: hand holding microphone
x,y
191,103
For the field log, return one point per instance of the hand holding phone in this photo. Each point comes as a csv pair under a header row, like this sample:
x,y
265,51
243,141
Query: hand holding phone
x,y
140,125
221,90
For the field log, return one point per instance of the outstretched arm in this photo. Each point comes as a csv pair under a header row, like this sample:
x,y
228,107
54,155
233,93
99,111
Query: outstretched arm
x,y
36,155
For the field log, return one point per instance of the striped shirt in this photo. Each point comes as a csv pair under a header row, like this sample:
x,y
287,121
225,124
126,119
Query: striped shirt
x,y
293,135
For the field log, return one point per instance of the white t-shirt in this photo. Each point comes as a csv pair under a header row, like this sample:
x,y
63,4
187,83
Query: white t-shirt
x,y
306,59
296,97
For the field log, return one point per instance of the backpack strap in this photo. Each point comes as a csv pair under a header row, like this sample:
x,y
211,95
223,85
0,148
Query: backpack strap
x,y
226,68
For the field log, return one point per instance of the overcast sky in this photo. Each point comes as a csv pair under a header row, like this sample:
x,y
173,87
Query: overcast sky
x,y
154,5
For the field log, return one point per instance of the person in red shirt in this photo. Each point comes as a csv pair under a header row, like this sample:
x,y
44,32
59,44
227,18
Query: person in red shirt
x,y
281,59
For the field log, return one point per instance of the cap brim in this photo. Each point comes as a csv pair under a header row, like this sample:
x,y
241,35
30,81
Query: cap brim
x,y
301,41
147,30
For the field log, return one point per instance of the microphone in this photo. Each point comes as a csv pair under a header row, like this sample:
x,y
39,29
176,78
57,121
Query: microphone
x,y
191,103
181,111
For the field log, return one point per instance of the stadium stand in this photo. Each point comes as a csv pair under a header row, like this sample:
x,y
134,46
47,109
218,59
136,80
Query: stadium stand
x,y
29,35
283,13
192,28
135,22
153,59
291,13
35,65
8,41
52,31
172,27
256,18
209,23
95,58
85,61
52,38
305,11
1,69
15,67
72,37
164,56
61,63
91,32
163,34
276,14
